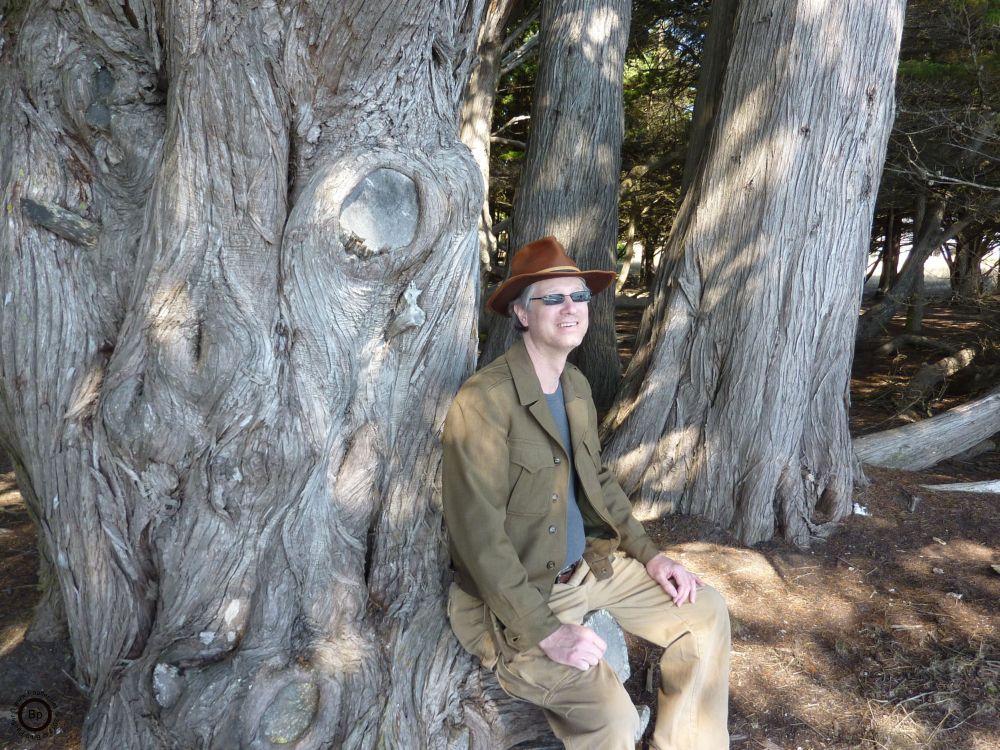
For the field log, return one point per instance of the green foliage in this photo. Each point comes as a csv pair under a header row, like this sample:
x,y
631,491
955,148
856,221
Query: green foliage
x,y
929,70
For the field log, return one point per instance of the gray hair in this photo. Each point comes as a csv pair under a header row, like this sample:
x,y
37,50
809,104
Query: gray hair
x,y
522,299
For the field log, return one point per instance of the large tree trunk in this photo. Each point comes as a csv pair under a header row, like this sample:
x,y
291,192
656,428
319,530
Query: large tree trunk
x,y
569,182
967,278
239,272
735,405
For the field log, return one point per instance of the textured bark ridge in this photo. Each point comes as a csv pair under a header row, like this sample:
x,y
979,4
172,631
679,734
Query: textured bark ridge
x,y
239,273
735,405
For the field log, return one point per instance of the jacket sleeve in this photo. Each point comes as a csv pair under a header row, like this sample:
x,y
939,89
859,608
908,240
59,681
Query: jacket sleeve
x,y
475,494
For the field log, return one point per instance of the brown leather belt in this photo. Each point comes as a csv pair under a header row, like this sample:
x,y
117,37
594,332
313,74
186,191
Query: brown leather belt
x,y
566,573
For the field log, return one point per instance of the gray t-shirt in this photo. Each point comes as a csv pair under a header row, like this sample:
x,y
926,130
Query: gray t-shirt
x,y
576,540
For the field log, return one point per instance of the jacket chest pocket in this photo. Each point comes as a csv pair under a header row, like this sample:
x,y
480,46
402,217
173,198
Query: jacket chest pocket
x,y
532,477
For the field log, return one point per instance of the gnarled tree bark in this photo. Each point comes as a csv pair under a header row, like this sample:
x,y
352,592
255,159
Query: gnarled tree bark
x,y
225,408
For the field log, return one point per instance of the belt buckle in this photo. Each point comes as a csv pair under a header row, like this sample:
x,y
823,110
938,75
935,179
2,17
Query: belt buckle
x,y
566,573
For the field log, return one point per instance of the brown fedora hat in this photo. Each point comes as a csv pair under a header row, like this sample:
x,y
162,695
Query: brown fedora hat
x,y
542,259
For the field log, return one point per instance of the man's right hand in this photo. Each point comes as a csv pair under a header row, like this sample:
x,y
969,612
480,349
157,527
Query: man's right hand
x,y
574,645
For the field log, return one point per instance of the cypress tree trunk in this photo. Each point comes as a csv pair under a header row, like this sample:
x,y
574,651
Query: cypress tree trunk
x,y
477,111
735,405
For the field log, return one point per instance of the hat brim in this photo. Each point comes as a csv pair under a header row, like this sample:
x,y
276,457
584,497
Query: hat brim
x,y
509,290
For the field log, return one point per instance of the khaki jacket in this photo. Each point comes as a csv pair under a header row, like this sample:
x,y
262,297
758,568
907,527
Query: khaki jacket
x,y
505,477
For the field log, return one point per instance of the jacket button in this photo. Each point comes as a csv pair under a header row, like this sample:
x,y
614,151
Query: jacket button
x,y
556,460
550,565
552,529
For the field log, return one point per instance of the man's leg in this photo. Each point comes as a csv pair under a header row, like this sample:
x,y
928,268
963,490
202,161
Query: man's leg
x,y
587,710
692,708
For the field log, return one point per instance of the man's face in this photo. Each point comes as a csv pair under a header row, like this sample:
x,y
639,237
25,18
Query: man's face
x,y
555,328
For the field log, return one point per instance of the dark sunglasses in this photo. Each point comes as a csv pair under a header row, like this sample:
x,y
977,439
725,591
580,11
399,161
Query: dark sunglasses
x,y
583,295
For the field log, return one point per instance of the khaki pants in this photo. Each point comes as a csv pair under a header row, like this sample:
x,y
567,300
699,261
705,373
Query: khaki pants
x,y
591,709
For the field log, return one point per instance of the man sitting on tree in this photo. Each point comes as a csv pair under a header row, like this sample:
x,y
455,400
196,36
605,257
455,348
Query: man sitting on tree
x,y
541,534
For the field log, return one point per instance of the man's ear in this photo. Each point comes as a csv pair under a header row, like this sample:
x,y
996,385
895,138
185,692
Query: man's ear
x,y
521,314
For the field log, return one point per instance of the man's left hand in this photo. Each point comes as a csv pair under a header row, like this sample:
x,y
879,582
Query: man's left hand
x,y
680,583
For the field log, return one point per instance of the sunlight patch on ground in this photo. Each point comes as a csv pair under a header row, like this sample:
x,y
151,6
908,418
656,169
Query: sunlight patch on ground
x,y
897,729
9,494
982,740
11,637
780,687
970,551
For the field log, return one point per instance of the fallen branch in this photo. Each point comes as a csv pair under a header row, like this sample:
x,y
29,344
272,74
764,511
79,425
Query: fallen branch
x,y
632,303
992,485
928,376
905,340
513,143
921,444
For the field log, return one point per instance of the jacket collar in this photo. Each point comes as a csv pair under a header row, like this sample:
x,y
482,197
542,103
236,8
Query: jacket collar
x,y
529,390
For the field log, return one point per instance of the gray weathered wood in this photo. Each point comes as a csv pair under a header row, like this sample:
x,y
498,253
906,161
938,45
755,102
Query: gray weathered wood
x,y
226,415
931,374
922,444
992,485
56,219
477,112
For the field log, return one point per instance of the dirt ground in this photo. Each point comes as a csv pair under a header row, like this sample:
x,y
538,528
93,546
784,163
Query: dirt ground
x,y
886,635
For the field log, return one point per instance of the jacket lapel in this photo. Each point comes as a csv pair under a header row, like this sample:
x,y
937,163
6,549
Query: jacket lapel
x,y
576,411
529,391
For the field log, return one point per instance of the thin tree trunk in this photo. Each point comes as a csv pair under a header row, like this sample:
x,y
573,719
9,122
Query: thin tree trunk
x,y
735,405
226,356
890,253
477,112
915,306
569,181
630,251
